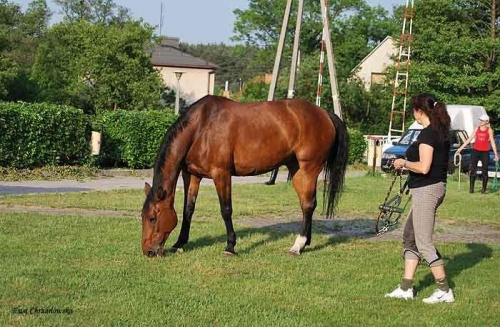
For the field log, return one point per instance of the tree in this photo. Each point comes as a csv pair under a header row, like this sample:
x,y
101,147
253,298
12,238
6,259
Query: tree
x,y
98,67
356,28
93,11
36,18
19,36
455,52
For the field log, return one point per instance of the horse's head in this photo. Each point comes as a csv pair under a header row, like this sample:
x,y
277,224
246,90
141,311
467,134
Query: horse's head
x,y
158,221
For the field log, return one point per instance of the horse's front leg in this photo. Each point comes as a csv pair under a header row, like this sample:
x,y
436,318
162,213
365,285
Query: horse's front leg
x,y
191,188
222,181
304,183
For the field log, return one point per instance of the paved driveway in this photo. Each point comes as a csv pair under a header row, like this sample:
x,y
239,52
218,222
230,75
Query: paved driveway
x,y
112,183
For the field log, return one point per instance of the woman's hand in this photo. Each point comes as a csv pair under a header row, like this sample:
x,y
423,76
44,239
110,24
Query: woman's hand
x,y
399,163
496,157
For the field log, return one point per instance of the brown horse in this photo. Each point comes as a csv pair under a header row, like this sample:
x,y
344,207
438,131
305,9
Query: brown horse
x,y
218,138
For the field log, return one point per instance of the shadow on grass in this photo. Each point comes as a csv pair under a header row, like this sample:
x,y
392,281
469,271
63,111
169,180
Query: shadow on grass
x,y
457,264
340,231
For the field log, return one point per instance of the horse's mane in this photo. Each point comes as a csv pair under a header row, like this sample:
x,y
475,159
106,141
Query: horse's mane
x,y
173,131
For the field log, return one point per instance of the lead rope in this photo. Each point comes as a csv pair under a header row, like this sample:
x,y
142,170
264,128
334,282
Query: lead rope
x,y
391,206
459,165
494,185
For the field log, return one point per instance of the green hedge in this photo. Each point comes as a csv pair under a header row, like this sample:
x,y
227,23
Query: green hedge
x,y
357,146
132,138
39,134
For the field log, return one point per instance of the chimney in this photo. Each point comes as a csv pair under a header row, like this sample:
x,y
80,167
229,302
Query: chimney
x,y
170,42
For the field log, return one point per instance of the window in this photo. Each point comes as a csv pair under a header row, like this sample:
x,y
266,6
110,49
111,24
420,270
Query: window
x,y
377,78
409,137
462,137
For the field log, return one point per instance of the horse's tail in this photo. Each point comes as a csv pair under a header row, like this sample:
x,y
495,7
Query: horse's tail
x,y
335,167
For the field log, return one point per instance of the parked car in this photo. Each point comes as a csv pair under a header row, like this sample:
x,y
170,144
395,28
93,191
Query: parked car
x,y
491,166
399,150
464,119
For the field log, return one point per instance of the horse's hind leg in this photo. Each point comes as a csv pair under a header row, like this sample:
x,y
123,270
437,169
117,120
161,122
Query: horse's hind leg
x,y
304,182
222,181
191,188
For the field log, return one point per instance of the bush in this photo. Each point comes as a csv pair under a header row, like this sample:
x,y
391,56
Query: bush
x,y
40,134
132,138
357,145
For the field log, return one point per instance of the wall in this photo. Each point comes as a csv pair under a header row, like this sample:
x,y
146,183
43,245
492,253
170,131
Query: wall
x,y
194,83
375,63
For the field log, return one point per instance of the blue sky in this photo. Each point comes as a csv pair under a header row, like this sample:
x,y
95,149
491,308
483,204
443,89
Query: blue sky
x,y
194,21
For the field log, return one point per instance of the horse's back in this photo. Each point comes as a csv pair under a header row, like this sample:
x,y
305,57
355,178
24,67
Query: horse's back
x,y
252,138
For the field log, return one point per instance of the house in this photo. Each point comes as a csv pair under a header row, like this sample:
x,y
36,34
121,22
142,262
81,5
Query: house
x,y
371,69
198,75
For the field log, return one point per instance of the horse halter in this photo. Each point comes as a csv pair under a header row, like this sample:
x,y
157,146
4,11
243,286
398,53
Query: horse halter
x,y
391,209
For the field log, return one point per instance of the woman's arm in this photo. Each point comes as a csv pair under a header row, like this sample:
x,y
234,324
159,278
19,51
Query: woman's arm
x,y
468,141
493,145
422,166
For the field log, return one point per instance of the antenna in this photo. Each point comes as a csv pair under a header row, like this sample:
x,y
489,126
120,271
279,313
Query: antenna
x,y
161,17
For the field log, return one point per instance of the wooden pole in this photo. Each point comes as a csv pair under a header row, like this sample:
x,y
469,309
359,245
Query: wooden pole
x,y
331,60
279,52
296,42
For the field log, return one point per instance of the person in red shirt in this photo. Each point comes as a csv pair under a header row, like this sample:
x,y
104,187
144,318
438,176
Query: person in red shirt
x,y
480,151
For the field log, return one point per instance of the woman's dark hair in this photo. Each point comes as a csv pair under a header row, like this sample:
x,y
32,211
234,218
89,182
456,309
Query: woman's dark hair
x,y
435,110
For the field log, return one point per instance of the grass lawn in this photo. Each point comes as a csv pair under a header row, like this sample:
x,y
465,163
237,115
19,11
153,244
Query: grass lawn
x,y
94,266
360,199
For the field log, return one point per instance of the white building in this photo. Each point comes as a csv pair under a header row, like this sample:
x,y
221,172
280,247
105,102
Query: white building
x,y
371,69
198,75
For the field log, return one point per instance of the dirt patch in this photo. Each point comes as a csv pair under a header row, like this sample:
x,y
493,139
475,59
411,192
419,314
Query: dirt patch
x,y
338,227
364,228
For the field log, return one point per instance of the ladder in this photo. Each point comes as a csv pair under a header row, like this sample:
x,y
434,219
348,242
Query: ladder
x,y
401,80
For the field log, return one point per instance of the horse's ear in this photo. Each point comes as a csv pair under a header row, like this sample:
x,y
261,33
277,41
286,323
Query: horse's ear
x,y
161,194
147,188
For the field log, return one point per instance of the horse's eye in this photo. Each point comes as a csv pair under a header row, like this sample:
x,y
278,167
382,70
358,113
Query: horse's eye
x,y
152,220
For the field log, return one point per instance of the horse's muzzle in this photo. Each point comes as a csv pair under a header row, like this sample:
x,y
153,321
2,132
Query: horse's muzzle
x,y
155,252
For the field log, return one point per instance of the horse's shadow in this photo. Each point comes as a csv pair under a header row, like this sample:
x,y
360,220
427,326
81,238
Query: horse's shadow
x,y
339,232
457,264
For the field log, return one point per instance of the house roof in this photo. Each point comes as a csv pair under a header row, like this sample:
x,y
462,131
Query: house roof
x,y
168,54
371,52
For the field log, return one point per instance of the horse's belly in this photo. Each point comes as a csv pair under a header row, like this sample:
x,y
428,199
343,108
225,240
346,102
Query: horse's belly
x,y
258,160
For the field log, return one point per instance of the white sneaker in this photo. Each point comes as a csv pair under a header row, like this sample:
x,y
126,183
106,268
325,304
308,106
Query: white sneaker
x,y
440,296
398,293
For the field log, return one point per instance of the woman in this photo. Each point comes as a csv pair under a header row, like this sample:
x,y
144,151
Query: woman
x,y
480,151
427,161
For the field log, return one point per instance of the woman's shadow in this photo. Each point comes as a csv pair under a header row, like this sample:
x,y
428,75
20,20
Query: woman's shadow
x,y
457,264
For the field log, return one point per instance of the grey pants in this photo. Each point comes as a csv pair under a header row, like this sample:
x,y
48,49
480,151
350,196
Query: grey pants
x,y
419,228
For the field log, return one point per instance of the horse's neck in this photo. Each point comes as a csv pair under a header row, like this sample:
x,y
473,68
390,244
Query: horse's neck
x,y
172,165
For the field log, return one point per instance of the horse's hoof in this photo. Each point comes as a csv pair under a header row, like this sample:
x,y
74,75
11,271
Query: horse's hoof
x,y
229,253
293,253
175,250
